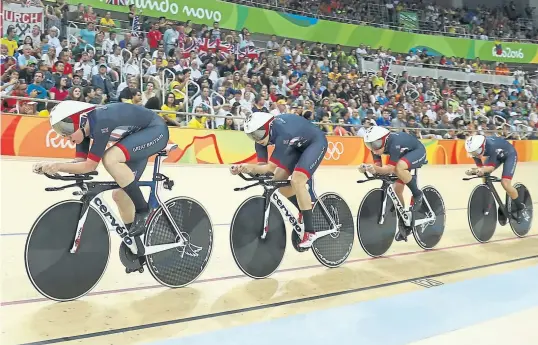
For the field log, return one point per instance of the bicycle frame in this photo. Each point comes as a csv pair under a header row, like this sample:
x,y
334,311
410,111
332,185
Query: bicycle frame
x,y
272,196
388,190
114,223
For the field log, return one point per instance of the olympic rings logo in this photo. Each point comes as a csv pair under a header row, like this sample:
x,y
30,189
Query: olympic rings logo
x,y
334,150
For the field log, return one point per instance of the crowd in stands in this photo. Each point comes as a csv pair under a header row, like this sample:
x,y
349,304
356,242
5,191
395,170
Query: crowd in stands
x,y
505,22
199,70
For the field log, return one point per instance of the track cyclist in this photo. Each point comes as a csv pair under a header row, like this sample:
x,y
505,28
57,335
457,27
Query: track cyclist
x,y
405,152
299,149
498,151
262,155
138,132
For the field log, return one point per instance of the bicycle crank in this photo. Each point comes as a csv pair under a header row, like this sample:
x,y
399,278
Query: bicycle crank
x,y
130,261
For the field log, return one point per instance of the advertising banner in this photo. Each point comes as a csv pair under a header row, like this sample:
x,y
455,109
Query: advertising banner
x,y
22,17
33,137
257,20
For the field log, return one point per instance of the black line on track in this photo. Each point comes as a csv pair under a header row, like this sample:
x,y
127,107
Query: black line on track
x,y
267,306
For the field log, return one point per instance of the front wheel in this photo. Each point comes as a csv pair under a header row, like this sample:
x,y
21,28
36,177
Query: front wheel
x,y
375,238
53,270
482,213
256,257
429,234
332,250
179,266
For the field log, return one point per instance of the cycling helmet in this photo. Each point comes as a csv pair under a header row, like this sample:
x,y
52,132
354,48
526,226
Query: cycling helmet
x,y
257,125
475,145
65,118
376,137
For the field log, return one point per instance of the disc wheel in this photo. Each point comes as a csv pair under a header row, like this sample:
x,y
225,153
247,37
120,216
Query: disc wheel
x,y
179,266
256,257
428,235
332,250
482,213
376,238
53,270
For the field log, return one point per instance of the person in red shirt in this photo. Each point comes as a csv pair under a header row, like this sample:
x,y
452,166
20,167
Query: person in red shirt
x,y
154,37
295,85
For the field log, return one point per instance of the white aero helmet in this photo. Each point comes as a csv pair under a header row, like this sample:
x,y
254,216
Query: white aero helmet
x,y
376,137
257,125
65,117
475,145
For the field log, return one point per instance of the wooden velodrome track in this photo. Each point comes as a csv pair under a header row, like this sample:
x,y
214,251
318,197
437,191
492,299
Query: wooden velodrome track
x,y
134,309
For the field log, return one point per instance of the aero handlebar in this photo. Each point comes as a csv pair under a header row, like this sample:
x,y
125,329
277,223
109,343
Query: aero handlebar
x,y
384,178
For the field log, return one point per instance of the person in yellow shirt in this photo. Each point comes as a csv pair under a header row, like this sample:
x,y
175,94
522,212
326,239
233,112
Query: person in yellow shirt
x,y
198,122
170,105
378,80
10,42
107,22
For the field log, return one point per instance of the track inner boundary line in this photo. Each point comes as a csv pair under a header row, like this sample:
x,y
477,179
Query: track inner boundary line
x,y
269,306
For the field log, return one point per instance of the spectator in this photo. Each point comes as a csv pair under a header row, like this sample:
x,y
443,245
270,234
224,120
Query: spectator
x,y
10,42
60,91
36,90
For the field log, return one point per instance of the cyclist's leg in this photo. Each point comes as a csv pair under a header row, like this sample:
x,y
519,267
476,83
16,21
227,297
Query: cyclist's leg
x,y
509,168
135,147
309,161
125,204
411,160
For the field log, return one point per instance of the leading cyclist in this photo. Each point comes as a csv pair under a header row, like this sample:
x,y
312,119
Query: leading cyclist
x,y
405,152
498,152
299,149
138,132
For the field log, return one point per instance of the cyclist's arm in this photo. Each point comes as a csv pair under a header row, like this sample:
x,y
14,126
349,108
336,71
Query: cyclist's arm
x,y
78,167
261,169
491,163
394,156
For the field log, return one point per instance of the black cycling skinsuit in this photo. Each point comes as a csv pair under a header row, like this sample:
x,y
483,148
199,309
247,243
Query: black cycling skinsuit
x,y
499,151
137,131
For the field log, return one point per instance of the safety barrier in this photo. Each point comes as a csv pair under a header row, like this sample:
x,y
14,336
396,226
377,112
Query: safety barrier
x,y
32,137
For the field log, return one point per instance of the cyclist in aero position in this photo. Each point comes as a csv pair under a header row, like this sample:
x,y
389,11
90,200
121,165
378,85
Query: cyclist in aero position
x,y
262,155
498,151
405,152
299,149
138,132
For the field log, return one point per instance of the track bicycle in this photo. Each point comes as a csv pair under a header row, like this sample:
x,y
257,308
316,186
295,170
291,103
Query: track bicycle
x,y
68,247
483,213
381,214
258,233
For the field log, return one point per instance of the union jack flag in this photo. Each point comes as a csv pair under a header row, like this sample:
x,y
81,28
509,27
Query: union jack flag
x,y
117,2
225,49
205,45
136,29
188,46
248,52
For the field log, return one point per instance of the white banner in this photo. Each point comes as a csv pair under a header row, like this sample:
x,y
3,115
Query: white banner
x,y
23,18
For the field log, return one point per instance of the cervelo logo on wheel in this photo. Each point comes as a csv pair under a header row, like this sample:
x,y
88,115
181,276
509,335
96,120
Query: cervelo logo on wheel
x,y
334,150
56,141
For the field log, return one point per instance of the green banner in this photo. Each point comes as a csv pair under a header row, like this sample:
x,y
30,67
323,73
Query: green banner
x,y
257,20
408,20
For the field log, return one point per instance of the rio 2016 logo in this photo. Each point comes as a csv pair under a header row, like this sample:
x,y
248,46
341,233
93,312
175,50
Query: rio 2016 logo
x,y
56,141
508,53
